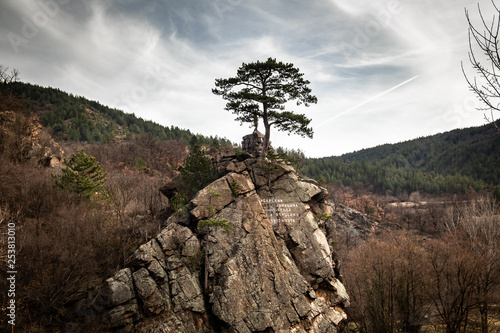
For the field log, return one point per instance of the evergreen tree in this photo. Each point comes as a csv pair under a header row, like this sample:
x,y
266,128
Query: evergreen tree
x,y
197,172
261,90
82,175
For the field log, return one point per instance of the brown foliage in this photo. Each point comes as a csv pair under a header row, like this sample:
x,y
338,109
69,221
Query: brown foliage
x,y
453,271
475,225
400,281
66,244
22,138
386,281
359,198
160,157
60,243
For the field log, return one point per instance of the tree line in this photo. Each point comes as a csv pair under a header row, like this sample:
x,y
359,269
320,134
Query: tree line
x,y
382,180
451,162
75,118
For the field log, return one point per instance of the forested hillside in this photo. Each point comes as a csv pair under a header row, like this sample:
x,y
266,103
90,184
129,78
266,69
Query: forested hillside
x,y
75,118
448,162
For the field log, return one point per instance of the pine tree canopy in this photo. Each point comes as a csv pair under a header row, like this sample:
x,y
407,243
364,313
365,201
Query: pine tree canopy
x,y
260,90
82,175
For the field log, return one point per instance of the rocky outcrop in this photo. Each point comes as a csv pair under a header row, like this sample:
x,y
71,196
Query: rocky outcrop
x,y
354,224
253,143
250,257
23,138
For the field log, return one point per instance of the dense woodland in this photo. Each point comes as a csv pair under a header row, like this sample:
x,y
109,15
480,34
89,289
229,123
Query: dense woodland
x,y
75,118
451,162
430,264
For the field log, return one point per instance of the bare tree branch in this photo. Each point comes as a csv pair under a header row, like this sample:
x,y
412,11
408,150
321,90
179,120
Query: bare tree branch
x,y
485,43
6,78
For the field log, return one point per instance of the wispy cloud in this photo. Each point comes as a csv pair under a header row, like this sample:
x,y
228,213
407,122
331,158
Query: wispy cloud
x,y
159,60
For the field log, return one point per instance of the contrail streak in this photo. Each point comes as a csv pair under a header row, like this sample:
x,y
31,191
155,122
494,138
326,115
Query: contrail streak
x,y
367,101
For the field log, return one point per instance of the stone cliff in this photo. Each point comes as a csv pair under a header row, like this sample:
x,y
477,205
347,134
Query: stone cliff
x,y
251,256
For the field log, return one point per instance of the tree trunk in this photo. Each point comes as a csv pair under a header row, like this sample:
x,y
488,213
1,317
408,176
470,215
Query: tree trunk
x,y
267,134
483,310
265,119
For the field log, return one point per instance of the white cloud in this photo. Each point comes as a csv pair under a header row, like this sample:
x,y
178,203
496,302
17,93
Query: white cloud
x,y
160,59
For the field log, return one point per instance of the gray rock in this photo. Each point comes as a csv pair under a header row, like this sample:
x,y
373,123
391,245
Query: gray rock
x,y
254,281
186,291
211,199
173,237
155,299
121,288
237,167
146,254
306,190
271,270
244,184
253,143
124,316
265,172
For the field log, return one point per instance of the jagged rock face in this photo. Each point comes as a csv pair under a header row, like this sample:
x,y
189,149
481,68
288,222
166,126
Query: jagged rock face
x,y
275,270
164,283
263,264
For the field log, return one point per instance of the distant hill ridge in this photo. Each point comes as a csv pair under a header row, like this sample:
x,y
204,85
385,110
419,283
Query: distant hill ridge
x,y
75,118
453,161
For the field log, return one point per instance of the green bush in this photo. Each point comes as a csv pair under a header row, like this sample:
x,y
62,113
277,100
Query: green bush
x,y
196,261
139,163
179,204
216,223
235,189
323,217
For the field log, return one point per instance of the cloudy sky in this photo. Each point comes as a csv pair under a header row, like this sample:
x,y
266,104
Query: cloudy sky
x,y
384,71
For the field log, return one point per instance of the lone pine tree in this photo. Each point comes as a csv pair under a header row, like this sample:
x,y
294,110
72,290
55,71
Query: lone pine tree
x,y
82,175
260,90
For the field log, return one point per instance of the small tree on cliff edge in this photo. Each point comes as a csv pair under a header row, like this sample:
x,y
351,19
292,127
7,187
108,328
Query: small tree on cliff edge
x,y
261,90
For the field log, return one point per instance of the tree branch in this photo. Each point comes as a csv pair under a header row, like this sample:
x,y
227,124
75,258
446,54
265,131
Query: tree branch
x,y
488,43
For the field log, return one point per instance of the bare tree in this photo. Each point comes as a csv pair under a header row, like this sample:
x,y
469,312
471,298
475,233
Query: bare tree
x,y
387,281
484,45
121,191
478,223
6,78
453,272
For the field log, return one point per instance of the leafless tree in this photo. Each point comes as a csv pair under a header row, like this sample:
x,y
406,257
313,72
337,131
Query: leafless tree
x,y
453,272
478,223
484,44
387,282
6,78
121,188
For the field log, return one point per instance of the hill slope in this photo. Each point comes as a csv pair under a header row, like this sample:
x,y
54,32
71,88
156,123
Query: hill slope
x,y
75,118
448,162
